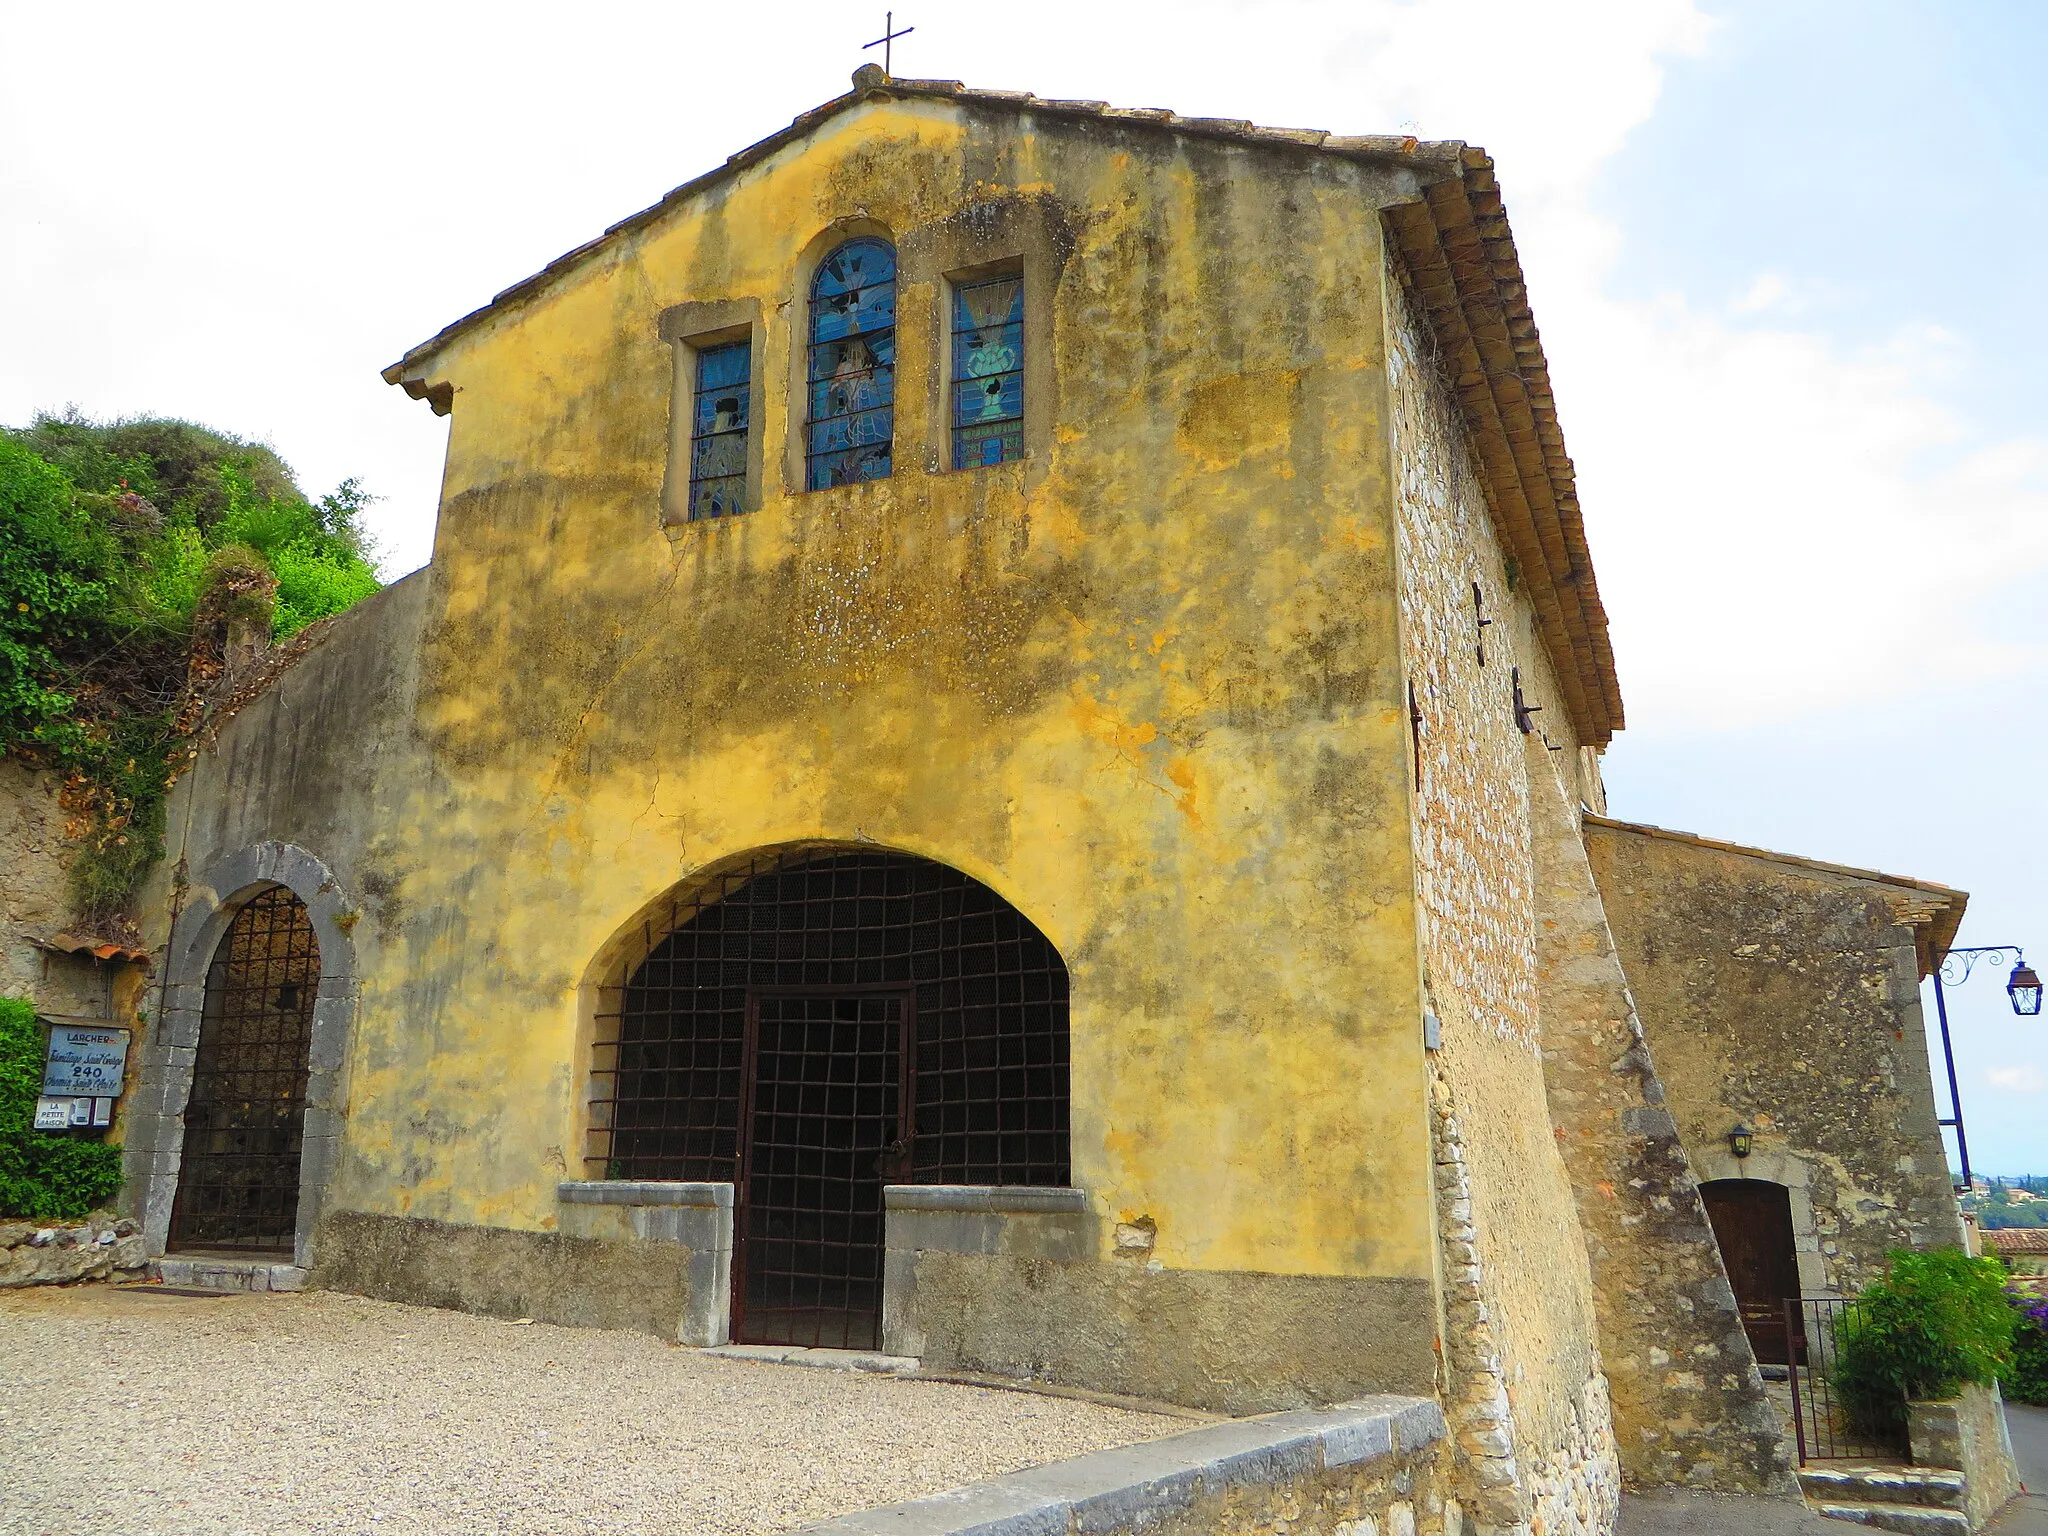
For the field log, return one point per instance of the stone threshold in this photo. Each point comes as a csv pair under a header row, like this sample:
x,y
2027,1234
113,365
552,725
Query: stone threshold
x,y
1134,1486
212,1274
821,1359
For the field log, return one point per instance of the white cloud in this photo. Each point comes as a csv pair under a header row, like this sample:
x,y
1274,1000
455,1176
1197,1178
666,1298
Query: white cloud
x,y
1767,292
2021,1079
261,208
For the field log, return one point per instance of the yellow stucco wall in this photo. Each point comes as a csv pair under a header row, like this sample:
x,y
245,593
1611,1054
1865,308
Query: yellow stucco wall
x,y
1146,684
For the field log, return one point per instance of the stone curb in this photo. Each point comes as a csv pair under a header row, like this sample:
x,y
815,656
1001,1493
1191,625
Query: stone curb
x,y
631,1192
1135,1485
981,1197
823,1359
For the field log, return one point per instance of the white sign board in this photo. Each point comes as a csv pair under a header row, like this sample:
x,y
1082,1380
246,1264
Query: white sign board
x,y
52,1114
85,1061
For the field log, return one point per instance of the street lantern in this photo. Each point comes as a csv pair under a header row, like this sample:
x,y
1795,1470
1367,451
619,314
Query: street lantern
x,y
2024,988
1739,1140
1954,967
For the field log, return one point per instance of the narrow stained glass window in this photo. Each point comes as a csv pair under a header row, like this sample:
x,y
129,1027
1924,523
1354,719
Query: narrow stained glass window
x,y
988,372
852,421
718,431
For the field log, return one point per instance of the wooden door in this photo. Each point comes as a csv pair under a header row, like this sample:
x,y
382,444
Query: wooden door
x,y
1752,1222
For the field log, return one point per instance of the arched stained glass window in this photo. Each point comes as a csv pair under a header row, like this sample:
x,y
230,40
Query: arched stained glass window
x,y
852,420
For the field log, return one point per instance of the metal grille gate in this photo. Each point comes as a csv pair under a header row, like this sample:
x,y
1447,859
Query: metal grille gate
x,y
826,1128
1825,1427
728,1001
238,1183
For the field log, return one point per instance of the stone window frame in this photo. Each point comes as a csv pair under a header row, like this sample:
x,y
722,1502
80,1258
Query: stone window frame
x,y
950,284
983,240
155,1143
688,329
1788,1170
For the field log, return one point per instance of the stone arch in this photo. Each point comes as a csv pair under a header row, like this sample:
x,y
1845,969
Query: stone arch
x,y
1790,1170
155,1142
808,1025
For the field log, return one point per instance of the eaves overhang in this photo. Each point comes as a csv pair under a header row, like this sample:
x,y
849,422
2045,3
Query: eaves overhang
x,y
1459,254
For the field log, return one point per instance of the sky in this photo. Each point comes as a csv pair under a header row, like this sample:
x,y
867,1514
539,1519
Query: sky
x,y
1776,249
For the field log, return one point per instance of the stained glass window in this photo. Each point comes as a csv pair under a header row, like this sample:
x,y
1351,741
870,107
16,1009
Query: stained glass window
x,y
718,432
988,372
852,422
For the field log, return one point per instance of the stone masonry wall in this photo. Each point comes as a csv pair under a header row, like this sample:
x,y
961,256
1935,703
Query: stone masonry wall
x,y
1525,1396
1787,997
1689,1407
35,899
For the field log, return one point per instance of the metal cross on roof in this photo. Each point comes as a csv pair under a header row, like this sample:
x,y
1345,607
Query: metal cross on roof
x,y
889,35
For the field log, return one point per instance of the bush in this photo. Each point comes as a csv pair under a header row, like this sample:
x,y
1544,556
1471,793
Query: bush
x,y
125,549
49,1175
1937,1321
2025,1377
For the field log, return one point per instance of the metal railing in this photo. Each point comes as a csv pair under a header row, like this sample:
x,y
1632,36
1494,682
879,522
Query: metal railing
x,y
1821,1421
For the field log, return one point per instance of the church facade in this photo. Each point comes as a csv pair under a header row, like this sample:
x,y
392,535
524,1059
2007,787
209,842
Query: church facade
x,y
996,762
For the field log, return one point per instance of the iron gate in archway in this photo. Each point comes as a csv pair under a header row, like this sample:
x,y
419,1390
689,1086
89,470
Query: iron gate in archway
x,y
819,1024
238,1180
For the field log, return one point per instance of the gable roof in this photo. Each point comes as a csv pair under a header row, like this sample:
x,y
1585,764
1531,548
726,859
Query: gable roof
x,y
1461,263
1934,912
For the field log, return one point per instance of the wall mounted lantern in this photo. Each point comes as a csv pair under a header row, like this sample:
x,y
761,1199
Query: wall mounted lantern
x,y
1739,1140
2024,988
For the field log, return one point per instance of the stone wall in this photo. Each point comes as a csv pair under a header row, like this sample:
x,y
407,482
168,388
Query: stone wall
x,y
1527,1401
1689,1406
35,900
58,1253
551,1277
1367,1468
1785,995
1968,1434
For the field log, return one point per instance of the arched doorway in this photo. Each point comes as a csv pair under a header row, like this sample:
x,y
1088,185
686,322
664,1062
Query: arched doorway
x,y
238,1179
821,1024
1752,1221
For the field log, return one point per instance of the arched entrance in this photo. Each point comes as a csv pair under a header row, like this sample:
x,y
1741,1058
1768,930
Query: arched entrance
x,y
238,1180
1752,1221
820,1024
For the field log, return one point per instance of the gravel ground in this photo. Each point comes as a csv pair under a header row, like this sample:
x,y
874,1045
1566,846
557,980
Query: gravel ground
x,y
322,1412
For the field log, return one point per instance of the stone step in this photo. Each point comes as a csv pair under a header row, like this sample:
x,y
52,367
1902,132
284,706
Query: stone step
x,y
1858,1483
227,1274
1913,1519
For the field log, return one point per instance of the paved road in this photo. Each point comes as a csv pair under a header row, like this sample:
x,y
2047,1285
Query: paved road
x,y
2028,1514
1676,1513
1710,1514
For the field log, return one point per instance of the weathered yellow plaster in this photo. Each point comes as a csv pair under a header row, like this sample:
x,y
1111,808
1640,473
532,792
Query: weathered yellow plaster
x,y
1145,684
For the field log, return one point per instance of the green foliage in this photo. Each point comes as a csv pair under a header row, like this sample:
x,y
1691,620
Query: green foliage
x,y
54,583
127,551
2025,1378
48,1175
1936,1321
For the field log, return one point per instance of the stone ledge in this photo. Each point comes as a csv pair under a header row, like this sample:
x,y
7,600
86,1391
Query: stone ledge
x,y
1137,1485
228,1274
822,1359
645,1192
982,1197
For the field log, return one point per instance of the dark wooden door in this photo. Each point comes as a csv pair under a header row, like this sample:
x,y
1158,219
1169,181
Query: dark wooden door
x,y
1752,1222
